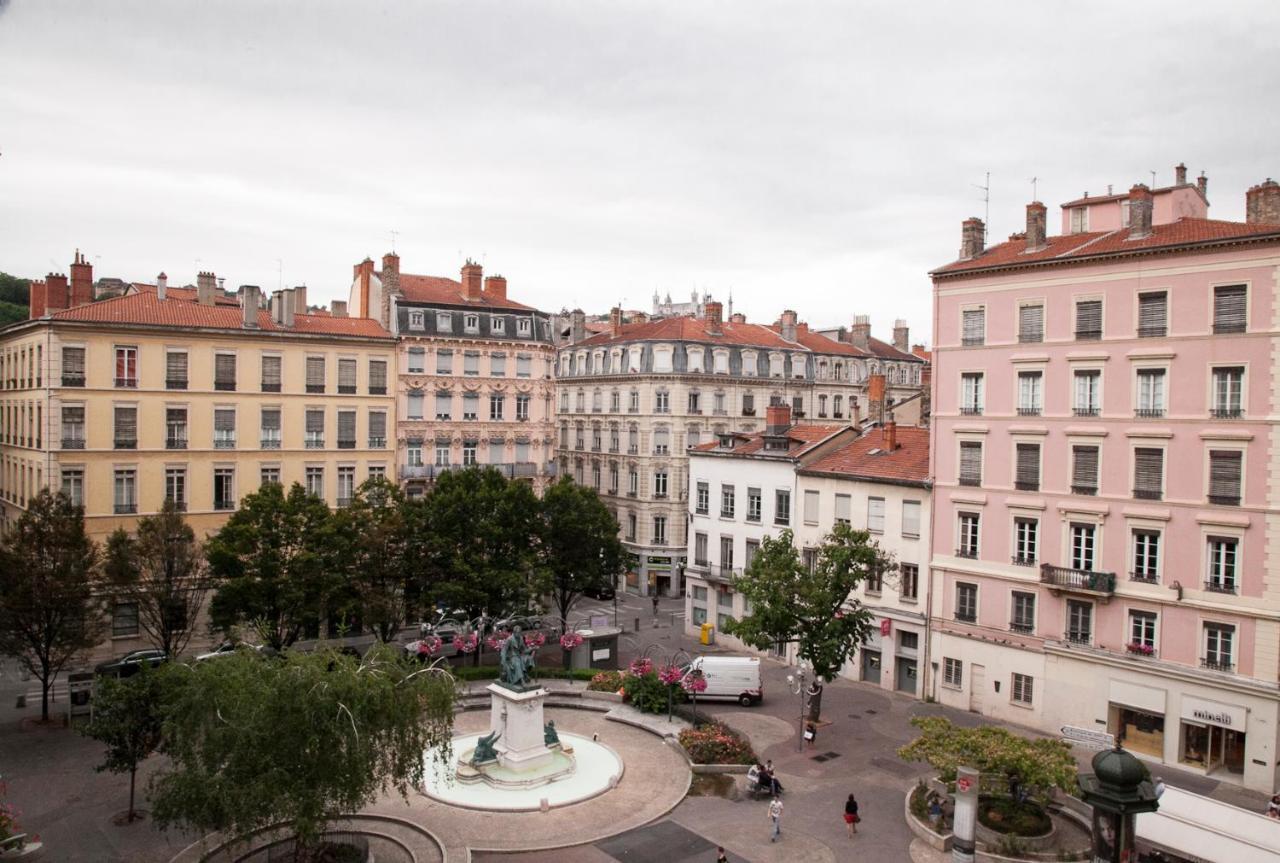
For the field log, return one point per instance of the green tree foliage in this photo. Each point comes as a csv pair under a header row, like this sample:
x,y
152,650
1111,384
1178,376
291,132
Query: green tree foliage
x,y
578,544
301,739
472,542
49,611
162,570
815,609
1038,765
371,541
16,290
127,719
271,564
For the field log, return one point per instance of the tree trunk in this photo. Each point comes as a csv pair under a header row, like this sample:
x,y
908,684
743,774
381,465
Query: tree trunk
x,y
46,683
815,701
133,774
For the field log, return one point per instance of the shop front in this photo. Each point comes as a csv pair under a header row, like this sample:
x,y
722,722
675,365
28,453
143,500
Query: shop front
x,y
1135,716
1212,735
656,573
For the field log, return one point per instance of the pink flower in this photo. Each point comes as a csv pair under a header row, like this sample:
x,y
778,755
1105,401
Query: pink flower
x,y
570,640
642,666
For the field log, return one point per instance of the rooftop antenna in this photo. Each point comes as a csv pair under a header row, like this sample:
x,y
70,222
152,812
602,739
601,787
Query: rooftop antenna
x,y
279,274
1153,179
1034,181
986,201
394,234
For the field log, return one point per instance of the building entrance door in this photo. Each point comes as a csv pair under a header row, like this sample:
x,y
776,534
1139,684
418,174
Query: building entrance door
x,y
906,675
977,687
871,666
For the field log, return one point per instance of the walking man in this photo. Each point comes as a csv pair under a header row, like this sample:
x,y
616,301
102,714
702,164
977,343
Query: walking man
x,y
775,815
721,857
655,604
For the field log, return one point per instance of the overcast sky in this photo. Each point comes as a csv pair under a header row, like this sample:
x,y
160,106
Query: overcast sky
x,y
818,156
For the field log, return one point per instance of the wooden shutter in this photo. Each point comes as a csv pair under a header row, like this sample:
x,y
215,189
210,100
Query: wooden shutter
x,y
175,366
1028,466
970,463
1084,467
1148,470
271,373
377,375
346,427
126,424
315,373
974,328
1230,309
1153,314
73,362
346,376
377,425
1224,476
224,420
270,419
315,422
1089,319
1031,324
224,370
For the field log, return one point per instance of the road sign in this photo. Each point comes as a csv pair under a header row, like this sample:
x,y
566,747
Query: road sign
x,y
1088,737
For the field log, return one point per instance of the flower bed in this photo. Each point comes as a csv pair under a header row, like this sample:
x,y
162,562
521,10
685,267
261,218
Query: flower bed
x,y
1006,815
716,743
606,681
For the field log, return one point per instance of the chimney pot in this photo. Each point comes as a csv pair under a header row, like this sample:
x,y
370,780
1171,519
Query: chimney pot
x,y
1139,212
860,332
901,336
973,235
1202,183
250,297
81,281
1036,230
788,325
777,419
615,321
713,311
889,434
496,287
206,284
1180,174
738,318
1262,203
338,308
472,281
162,286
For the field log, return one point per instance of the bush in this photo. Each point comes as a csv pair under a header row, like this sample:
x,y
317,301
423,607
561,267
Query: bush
x,y
1006,815
648,694
606,681
716,743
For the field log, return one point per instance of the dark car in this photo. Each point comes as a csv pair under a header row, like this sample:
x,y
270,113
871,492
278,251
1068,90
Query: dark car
x,y
131,663
601,591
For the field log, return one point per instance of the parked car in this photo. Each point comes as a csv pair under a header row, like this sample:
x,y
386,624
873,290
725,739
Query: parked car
x,y
131,663
526,622
604,591
227,648
444,633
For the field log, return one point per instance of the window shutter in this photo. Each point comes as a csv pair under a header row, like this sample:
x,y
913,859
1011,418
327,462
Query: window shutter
x,y
377,425
1148,465
1028,466
73,416
271,371
175,367
377,375
843,506
1224,476
73,362
1084,467
315,371
970,463
1153,314
347,374
315,421
1089,319
126,423
224,369
1031,324
270,419
346,426
974,326
1230,310
444,403
224,420
174,416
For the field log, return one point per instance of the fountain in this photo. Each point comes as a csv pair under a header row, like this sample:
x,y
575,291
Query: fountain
x,y
523,762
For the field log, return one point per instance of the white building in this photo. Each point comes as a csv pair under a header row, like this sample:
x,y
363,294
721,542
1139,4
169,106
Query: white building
x,y
879,482
743,488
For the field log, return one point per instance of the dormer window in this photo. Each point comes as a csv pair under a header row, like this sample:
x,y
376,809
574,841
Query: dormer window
x,y
523,326
726,441
498,325
444,322
471,323
777,444
1079,219
417,320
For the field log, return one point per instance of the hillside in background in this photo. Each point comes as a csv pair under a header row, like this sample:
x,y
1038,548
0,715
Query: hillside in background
x,y
14,298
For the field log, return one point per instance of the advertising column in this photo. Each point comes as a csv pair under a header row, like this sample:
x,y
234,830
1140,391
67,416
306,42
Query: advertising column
x,y
962,846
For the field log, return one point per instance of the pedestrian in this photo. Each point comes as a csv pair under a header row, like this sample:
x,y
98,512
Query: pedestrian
x,y
655,605
775,787
810,733
1159,787
775,815
851,817
1273,807
720,855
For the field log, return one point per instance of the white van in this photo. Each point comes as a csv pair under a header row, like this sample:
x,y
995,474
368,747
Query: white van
x,y
734,677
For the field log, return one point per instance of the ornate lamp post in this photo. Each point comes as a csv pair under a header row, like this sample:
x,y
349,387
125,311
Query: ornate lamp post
x,y
1118,789
797,683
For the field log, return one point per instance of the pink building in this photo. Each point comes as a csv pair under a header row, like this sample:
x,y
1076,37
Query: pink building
x,y
1107,502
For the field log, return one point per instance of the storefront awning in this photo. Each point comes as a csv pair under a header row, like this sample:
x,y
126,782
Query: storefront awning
x,y
1196,826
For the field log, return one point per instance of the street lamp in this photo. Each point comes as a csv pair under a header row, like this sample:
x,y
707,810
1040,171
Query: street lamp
x,y
796,682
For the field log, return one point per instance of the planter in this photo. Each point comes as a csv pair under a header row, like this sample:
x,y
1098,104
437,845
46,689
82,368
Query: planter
x,y
991,838
924,829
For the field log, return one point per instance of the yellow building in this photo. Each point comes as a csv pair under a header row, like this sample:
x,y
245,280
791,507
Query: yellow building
x,y
190,394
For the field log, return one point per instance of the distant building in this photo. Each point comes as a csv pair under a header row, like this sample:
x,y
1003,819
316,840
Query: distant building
x,y
695,308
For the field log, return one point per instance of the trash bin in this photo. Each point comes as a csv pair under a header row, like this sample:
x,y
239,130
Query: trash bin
x,y
708,634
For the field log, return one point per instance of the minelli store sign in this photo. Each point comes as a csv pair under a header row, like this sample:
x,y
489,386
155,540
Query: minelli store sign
x,y
1214,713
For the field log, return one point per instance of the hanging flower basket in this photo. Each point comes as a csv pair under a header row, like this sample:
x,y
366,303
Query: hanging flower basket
x,y
569,641
466,643
670,675
494,641
430,646
535,640
694,683
642,666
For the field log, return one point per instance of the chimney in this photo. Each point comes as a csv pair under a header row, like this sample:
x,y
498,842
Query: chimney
x,y
1202,183
972,238
777,419
640,318
390,273
162,286
338,308
1180,174
875,397
39,296
577,326
860,332
737,318
56,293
81,281
206,285
1139,212
496,287
1262,203
276,304
288,302
250,299
889,434
615,321
901,336
1036,212
714,311
788,325
299,301
472,278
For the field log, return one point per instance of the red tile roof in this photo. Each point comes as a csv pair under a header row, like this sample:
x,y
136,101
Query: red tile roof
x,y
187,293
693,330
182,310
820,344
866,458
1072,248
886,351
439,289
804,438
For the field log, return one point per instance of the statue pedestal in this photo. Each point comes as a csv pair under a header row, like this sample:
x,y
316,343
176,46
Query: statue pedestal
x,y
518,717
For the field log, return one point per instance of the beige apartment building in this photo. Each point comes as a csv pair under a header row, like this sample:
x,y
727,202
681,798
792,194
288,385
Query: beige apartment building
x,y
473,372
189,394
632,399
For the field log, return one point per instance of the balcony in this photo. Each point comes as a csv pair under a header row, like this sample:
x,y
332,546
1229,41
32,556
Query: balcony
x,y
271,387
225,386
377,390
1085,411
1028,411
127,383
69,381
1149,413
1088,335
224,443
1085,490
346,390
1147,494
1144,577
748,412
634,449
344,502
315,388
1220,585
1227,413
1078,636
175,443
1153,332
1021,627
1217,663
126,508
377,442
179,505
73,443
1026,485
1225,499
972,341
315,443
968,552
223,504
1078,580
126,443
175,383
1024,560
270,443
346,444
1137,648
967,616
971,410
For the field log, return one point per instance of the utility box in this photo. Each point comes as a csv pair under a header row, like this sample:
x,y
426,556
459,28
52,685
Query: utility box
x,y
708,635
80,694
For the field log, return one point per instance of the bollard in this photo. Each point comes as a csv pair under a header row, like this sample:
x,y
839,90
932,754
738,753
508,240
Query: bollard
x,y
637,624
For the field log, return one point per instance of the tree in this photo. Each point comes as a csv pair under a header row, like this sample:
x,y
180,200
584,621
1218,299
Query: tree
x,y
162,572
373,556
127,718
811,608
1037,766
472,542
303,738
270,564
14,298
49,609
577,543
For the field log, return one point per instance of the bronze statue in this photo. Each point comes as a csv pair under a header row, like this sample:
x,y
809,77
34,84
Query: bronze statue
x,y
515,661
549,736
485,750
